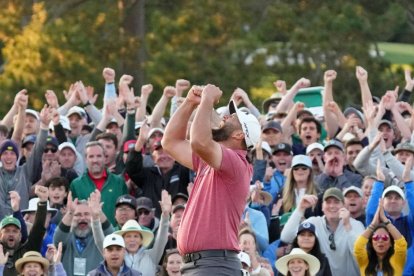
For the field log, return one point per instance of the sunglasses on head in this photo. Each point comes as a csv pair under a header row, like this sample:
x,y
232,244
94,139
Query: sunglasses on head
x,y
380,237
46,150
332,245
303,168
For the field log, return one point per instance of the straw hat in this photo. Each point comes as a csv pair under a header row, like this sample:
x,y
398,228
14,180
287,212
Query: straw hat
x,y
133,226
297,253
32,257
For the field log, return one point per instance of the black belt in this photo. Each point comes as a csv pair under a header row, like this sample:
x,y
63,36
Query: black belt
x,y
192,257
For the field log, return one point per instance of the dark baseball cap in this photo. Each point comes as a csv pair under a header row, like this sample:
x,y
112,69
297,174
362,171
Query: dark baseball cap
x,y
306,226
128,200
333,143
178,207
272,125
29,139
50,140
179,195
144,203
283,147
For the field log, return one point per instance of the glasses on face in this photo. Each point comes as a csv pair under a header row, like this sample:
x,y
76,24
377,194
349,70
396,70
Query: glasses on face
x,y
145,212
378,237
332,245
273,105
302,168
46,150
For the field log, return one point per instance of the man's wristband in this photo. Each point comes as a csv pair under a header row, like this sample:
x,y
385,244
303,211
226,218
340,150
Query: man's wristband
x,y
387,222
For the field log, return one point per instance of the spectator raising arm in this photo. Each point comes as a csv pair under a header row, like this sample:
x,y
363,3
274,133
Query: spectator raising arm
x,y
146,91
161,106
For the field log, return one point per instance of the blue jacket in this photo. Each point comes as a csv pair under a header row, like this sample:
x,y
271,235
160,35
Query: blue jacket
x,y
270,254
404,224
259,226
102,271
275,185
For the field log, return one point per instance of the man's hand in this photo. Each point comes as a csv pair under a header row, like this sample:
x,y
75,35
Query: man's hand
x,y
45,117
72,96
181,85
14,201
55,116
51,99
109,75
280,86
211,93
376,141
3,257
194,95
345,215
91,96
329,76
146,89
406,176
169,92
127,79
22,100
42,193
71,204
53,254
307,201
301,83
409,81
332,167
165,203
361,73
95,204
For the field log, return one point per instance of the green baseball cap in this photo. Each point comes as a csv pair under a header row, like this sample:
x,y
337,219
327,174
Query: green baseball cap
x,y
333,192
10,220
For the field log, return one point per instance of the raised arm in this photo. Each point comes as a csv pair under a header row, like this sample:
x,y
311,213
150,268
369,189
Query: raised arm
x,y
146,91
287,100
162,235
8,118
98,218
201,137
241,95
362,76
180,86
174,140
327,99
161,106
22,101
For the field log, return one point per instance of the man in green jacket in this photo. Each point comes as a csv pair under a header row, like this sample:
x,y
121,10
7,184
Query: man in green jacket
x,y
98,177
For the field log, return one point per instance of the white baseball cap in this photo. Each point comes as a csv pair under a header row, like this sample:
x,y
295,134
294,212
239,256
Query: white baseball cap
x,y
33,207
76,110
250,125
301,159
395,189
353,189
69,145
113,239
313,146
32,112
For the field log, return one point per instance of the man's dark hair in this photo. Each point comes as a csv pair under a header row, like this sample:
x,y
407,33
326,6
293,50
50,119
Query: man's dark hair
x,y
352,142
109,137
57,182
310,120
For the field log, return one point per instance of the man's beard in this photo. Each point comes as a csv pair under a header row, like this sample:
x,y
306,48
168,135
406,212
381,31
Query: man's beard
x,y
222,134
82,233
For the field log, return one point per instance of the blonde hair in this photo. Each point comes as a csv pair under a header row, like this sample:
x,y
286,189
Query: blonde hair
x,y
289,196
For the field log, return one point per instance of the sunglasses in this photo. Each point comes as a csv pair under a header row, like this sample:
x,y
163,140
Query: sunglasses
x,y
303,168
380,237
145,212
332,245
46,150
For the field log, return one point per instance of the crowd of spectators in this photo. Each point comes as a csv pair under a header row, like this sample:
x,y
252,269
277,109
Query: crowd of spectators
x,y
88,190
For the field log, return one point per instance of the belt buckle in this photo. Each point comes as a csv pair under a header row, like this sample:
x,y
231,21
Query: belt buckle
x,y
192,257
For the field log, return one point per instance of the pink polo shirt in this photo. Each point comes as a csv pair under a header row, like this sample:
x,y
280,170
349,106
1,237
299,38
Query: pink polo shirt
x,y
212,217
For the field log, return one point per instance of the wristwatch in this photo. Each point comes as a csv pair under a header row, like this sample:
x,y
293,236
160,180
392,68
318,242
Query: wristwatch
x,y
387,222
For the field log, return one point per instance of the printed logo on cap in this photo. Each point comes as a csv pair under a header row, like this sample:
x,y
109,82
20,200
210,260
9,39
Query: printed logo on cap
x,y
306,225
